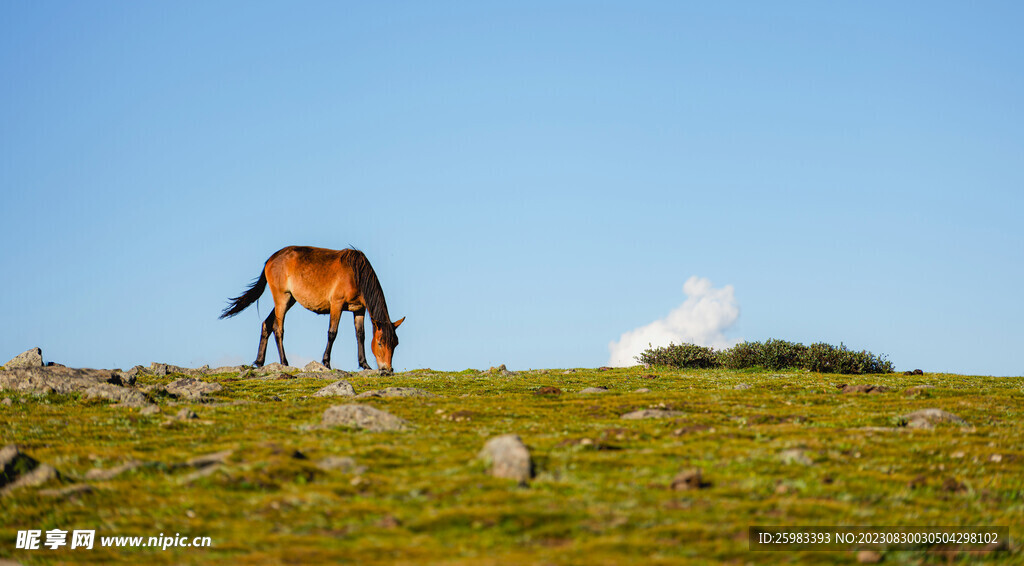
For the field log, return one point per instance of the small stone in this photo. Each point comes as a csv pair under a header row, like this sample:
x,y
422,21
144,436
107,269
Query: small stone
x,y
594,390
741,386
111,473
689,479
928,418
363,417
32,358
67,492
186,414
865,389
643,390
548,390
340,388
869,556
795,456
652,414
996,458
7,401
315,367
917,390
192,388
340,464
508,458
150,410
396,392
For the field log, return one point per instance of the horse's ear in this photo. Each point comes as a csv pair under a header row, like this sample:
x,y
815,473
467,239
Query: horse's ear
x,y
398,322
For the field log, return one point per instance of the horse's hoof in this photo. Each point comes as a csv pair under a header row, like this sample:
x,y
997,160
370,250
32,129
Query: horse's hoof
x,y
257,364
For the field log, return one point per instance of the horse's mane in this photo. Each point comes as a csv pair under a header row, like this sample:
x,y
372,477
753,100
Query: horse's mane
x,y
369,286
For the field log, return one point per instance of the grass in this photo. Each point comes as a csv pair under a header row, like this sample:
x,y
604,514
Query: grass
x,y
602,492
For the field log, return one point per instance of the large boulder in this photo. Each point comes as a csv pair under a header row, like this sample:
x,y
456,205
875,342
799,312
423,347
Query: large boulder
x,y
28,359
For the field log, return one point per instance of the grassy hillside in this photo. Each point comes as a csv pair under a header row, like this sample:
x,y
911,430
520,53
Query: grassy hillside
x,y
773,448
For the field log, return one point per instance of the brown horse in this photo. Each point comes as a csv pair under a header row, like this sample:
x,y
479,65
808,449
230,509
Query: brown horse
x,y
325,282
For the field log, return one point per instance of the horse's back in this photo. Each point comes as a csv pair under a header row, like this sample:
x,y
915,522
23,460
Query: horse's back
x,y
313,276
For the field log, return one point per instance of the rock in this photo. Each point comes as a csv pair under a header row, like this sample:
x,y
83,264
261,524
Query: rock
x,y
915,372
7,401
741,386
100,474
340,388
928,418
315,367
396,392
329,374
274,375
642,390
795,456
186,414
363,417
508,457
275,368
67,492
191,388
869,556
594,390
340,464
917,390
372,373
93,383
226,369
865,389
207,460
28,359
604,368
548,390
652,414
689,479
18,469
150,410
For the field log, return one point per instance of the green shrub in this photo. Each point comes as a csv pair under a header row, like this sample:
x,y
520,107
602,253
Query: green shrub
x,y
771,355
826,358
679,356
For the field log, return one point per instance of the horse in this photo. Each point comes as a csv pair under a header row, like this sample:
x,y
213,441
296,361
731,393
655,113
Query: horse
x,y
325,282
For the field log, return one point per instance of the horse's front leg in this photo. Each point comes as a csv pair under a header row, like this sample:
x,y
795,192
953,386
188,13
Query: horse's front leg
x,y
360,337
332,332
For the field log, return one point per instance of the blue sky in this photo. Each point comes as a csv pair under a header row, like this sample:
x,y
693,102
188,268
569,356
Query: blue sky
x,y
530,180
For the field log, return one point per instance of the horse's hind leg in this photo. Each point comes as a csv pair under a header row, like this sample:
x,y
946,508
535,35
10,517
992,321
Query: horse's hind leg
x,y
360,338
280,308
266,329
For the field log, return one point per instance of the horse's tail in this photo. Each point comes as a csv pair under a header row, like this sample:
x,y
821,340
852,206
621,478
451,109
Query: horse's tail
x,y
239,303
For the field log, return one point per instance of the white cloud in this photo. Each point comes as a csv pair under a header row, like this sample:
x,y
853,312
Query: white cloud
x,y
702,319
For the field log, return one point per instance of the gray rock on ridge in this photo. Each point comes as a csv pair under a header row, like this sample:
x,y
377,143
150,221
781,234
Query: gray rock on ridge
x,y
32,358
340,388
192,388
93,383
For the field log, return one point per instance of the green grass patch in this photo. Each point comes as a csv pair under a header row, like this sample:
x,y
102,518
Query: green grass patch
x,y
776,447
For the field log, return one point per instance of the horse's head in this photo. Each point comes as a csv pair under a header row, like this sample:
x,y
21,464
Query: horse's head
x,y
385,340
